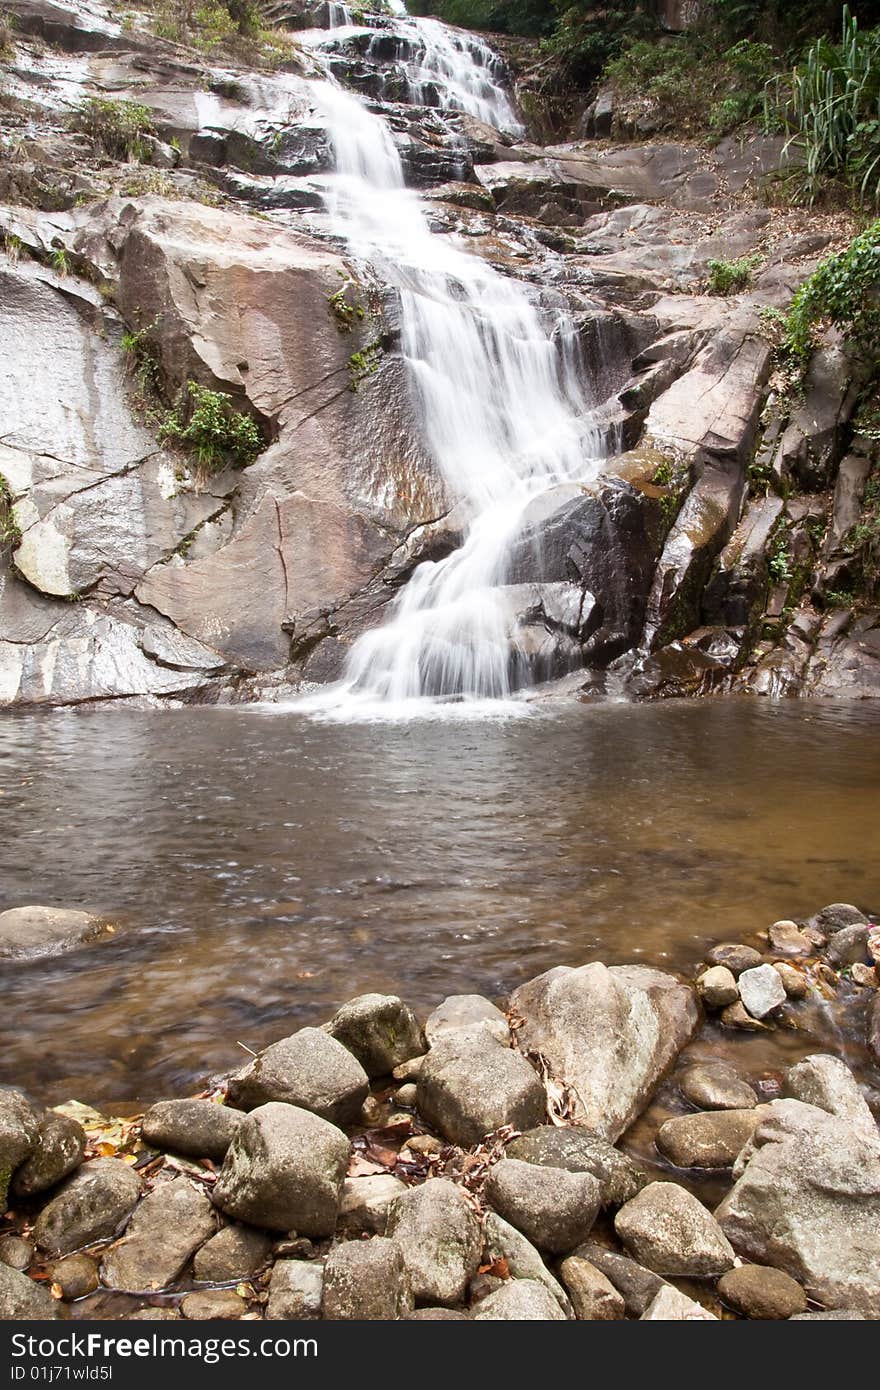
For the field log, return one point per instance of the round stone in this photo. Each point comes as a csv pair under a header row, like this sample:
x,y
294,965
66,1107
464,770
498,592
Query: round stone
x,y
758,1291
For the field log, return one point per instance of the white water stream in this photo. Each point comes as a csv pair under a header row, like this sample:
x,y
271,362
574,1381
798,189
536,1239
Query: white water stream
x,y
501,395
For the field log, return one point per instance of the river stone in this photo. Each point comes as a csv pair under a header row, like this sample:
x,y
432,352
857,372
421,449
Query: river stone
x,y
836,916
737,1016
309,1070
153,1314
807,1200
58,1151
379,1030
366,1281
713,1139
284,1170
295,1290
788,939
26,933
16,1252
794,983
409,1070
164,1233
440,1236
758,1291
213,1305
761,990
437,1315
609,1034
233,1253
716,1086
574,1148
554,1208
19,1127
636,1285
505,1242
365,1202
467,1013
519,1300
91,1205
594,1297
717,987
670,1231
76,1275
831,1315
22,1299
200,1128
407,1095
828,1083
470,1085
734,956
865,976
671,1305
849,946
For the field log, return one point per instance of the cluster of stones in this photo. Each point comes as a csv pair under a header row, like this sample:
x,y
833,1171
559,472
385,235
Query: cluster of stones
x,y
485,1210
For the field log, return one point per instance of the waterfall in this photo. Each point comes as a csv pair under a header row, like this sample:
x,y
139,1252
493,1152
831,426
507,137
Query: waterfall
x,y
500,394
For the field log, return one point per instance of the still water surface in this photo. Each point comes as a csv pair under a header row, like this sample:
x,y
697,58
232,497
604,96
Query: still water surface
x,y
264,867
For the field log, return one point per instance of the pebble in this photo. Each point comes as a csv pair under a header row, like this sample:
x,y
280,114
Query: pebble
x,y
735,956
715,1086
793,982
736,1016
761,990
717,987
77,1275
790,940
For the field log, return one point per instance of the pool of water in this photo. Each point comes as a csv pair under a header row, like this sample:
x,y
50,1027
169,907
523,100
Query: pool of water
x,y
264,867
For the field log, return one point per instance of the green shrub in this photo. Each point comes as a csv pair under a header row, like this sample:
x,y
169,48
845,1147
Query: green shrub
x,y
730,277
10,531
206,423
843,292
117,127
688,84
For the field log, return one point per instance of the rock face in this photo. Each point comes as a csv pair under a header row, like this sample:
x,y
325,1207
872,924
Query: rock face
x,y
366,1281
310,1070
284,1171
609,1034
26,933
807,1200
380,1031
92,1205
470,1085
196,1127
58,1150
553,1207
165,1231
439,1235
668,1230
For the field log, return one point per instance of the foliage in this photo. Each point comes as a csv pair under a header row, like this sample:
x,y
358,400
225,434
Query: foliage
x,y
60,261
779,562
143,361
207,423
235,26
364,363
535,17
345,314
13,246
117,127
690,84
730,277
10,531
843,292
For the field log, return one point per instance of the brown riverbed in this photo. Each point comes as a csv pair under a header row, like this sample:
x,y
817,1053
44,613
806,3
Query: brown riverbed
x,y
264,868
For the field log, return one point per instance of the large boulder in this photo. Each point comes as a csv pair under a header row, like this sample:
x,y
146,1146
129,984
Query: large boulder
x,y
714,1139
553,1207
19,1126
379,1030
828,1083
439,1234
284,1171
470,1085
807,1200
58,1150
27,933
166,1230
366,1280
92,1205
669,1230
608,1034
311,1070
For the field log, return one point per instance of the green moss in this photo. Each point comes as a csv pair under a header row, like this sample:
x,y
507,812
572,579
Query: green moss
x,y
364,364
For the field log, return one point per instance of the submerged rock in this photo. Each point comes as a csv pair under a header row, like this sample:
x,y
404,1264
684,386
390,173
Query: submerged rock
x,y
379,1030
440,1237
27,933
310,1070
470,1085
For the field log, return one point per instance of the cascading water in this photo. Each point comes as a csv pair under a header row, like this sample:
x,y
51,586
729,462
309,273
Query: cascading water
x,y
501,397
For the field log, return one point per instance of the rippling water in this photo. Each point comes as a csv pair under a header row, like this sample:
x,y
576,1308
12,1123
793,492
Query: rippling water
x,y
264,867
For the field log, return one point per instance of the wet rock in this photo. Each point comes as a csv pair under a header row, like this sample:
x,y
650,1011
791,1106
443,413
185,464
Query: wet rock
x,y
218,1304
758,1291
16,1252
26,933
440,1237
295,1290
668,1230
715,1086
865,976
593,1296
470,1085
284,1171
761,990
848,946
467,1013
520,1300
21,1298
836,916
366,1280
671,1305
793,982
58,1151
734,956
807,1200
789,940
19,1127
828,1083
309,1070
166,1230
717,987
92,1205
503,1241
233,1253
408,1070
737,1016
77,1275
713,1139
379,1030
365,1202
578,1151
610,1034
199,1128
636,1285
553,1207
407,1095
